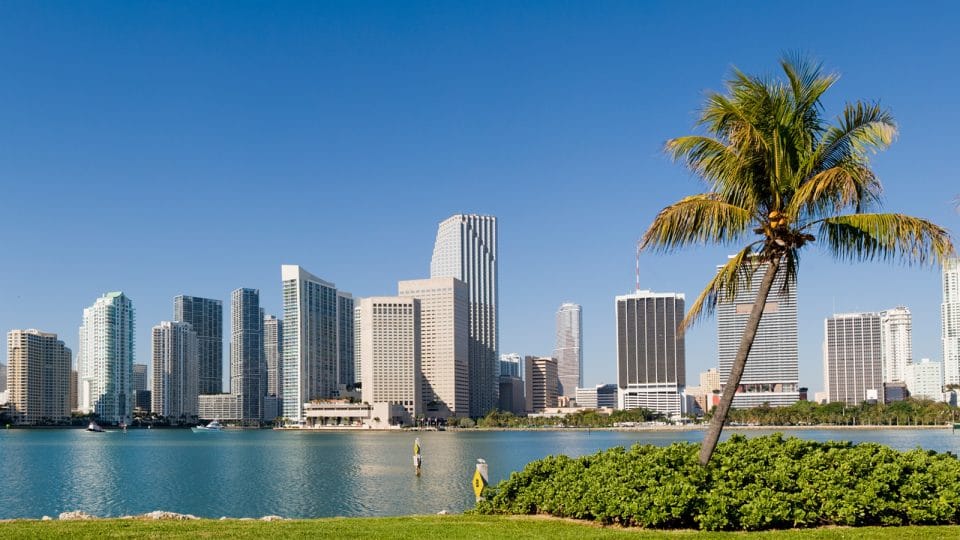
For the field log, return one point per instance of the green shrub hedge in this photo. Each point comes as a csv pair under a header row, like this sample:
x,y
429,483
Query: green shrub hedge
x,y
751,484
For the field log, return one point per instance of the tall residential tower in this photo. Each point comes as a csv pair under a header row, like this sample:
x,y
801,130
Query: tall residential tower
x,y
950,322
39,377
246,353
176,372
105,362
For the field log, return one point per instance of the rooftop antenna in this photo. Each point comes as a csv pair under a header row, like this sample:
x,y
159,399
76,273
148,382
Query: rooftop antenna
x,y
638,266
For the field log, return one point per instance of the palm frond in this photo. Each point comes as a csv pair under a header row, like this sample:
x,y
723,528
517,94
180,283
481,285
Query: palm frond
x,y
862,128
737,272
697,219
847,185
889,237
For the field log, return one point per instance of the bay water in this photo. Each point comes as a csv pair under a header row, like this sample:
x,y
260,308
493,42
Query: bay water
x,y
304,474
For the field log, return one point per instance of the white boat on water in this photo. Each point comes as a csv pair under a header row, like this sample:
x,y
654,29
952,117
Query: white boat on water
x,y
214,425
94,427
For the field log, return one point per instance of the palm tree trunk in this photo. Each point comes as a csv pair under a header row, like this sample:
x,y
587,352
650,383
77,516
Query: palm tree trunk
x,y
739,363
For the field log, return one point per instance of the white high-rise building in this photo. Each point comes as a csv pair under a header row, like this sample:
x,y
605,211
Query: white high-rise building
x,y
390,352
853,358
896,327
175,387
466,248
651,353
444,341
311,351
569,349
105,361
925,380
950,322
772,372
38,377
273,353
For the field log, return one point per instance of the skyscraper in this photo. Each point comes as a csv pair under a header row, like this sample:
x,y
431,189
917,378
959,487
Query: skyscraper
x,y
896,327
105,362
950,322
38,376
541,383
205,315
466,248
444,343
246,353
141,394
139,377
273,353
511,365
772,373
569,351
174,392
651,353
853,358
925,379
345,339
390,352
310,341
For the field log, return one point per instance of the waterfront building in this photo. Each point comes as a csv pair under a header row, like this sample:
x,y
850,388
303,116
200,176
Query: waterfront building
x,y
140,388
74,382
273,354
569,349
466,248
512,396
223,407
311,351
176,372
895,391
925,380
950,322
599,397
896,328
651,357
205,315
139,377
772,372
38,377
390,352
541,383
707,392
346,339
356,342
3,377
444,343
853,358
246,353
105,361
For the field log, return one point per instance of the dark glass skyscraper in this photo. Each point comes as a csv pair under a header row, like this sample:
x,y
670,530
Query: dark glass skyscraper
x,y
246,353
206,317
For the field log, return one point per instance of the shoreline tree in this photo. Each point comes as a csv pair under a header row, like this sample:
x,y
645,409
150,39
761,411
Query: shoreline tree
x,y
780,177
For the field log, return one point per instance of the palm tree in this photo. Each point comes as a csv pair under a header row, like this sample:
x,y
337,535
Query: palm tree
x,y
777,173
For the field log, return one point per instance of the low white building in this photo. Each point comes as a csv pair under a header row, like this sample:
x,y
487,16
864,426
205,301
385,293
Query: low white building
x,y
925,380
342,414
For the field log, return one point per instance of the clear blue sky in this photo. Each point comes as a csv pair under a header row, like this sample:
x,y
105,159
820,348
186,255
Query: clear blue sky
x,y
167,148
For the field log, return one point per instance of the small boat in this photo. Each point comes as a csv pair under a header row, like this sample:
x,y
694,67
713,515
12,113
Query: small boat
x,y
214,425
94,427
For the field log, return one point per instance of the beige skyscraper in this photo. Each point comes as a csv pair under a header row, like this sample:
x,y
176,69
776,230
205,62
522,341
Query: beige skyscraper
x,y
466,248
444,341
541,382
38,377
896,328
390,352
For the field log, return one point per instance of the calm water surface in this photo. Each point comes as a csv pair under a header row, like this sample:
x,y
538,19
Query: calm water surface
x,y
302,474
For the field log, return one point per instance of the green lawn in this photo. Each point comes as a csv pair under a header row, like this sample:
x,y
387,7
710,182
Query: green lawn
x,y
419,527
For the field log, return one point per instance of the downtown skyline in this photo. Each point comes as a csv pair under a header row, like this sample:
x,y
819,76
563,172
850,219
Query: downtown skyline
x,y
579,127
